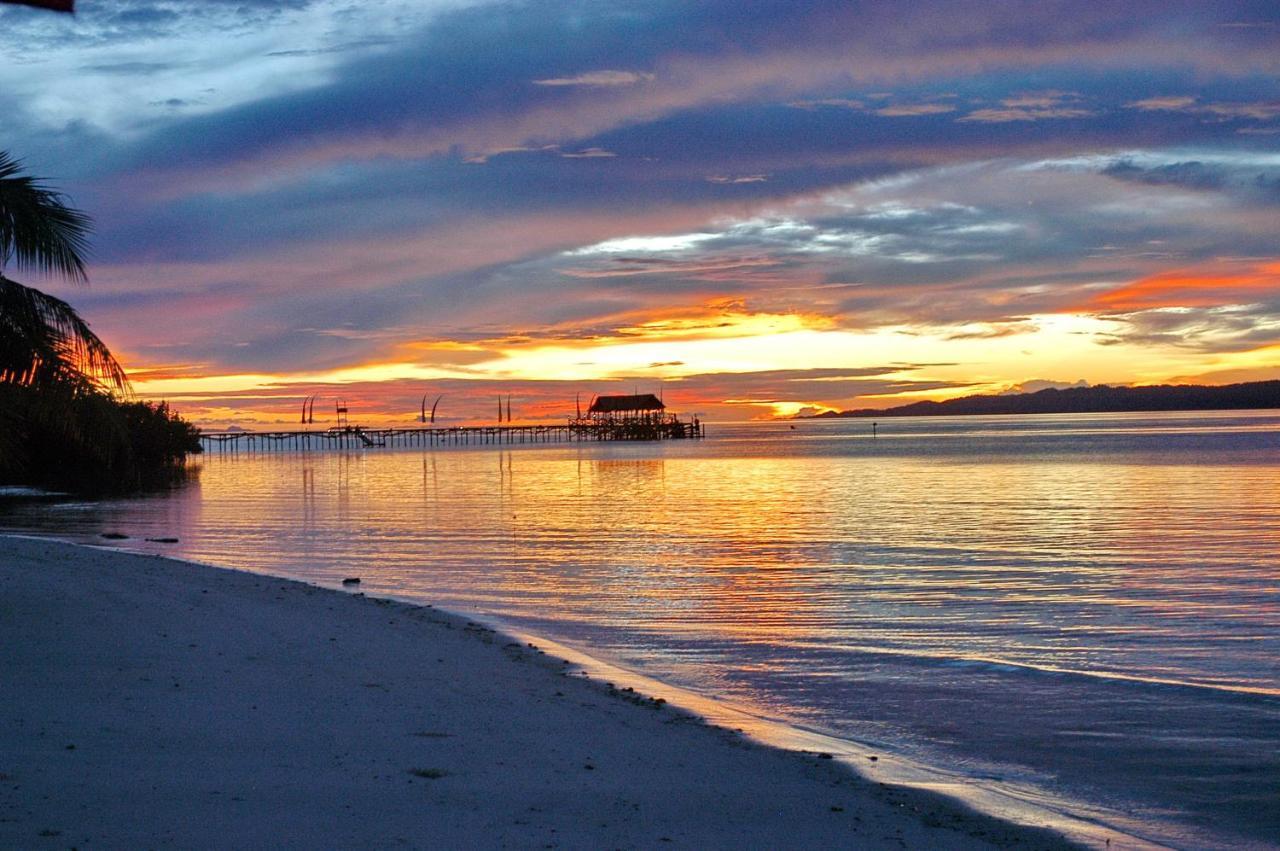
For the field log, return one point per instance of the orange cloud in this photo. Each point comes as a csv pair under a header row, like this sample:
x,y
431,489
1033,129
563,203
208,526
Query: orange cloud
x,y
1235,375
727,317
1190,288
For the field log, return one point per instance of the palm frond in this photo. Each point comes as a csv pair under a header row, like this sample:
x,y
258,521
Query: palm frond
x,y
38,230
45,340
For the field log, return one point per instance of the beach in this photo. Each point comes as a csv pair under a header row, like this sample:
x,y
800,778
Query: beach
x,y
151,702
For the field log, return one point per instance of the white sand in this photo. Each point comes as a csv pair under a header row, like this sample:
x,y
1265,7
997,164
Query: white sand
x,y
146,702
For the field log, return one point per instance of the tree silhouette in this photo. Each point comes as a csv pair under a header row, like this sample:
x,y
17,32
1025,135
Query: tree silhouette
x,y
43,341
62,423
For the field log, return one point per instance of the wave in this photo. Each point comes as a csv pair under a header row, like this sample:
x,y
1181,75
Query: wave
x,y
1010,666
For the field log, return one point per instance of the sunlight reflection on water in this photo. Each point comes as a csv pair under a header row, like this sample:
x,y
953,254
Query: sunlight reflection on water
x,y
1029,597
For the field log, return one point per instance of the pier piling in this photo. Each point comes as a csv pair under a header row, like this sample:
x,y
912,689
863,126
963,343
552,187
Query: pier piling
x,y
362,437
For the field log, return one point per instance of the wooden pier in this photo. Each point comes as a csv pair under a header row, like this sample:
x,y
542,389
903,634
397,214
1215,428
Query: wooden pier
x,y
640,417
363,437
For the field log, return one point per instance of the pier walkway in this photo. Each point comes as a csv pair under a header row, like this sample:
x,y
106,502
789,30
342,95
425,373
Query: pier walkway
x,y
363,437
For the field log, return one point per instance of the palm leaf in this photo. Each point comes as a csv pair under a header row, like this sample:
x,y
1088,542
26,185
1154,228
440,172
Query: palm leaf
x,y
38,231
43,341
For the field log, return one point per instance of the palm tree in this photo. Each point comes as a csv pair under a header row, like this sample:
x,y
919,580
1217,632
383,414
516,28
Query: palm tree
x,y
62,423
43,341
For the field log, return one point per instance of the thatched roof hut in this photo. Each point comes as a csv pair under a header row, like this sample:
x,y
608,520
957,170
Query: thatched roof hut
x,y
626,404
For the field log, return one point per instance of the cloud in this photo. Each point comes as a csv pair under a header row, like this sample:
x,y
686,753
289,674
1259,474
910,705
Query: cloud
x,y
305,177
1192,174
453,80
1182,288
724,268
1032,106
132,69
908,250
957,251
1037,384
1007,114
599,78
737,180
994,330
894,110
1226,110
276,399
1251,179
1204,330
838,387
913,109
842,103
1222,307
1259,110
588,154
1234,375
1048,99
1164,103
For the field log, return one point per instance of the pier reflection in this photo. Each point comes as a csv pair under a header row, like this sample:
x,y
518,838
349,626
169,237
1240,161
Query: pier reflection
x,y
1097,577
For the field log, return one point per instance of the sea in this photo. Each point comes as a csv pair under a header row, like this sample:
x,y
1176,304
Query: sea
x,y
1070,620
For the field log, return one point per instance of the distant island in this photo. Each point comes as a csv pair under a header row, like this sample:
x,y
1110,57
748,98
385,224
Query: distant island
x,y
1252,395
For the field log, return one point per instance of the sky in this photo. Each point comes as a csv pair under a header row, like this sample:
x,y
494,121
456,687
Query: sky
x,y
753,207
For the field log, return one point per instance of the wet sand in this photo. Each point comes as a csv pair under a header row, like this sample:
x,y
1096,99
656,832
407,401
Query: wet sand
x,y
149,702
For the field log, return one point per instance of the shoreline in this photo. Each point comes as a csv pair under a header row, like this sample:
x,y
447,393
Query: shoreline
x,y
1025,807
98,669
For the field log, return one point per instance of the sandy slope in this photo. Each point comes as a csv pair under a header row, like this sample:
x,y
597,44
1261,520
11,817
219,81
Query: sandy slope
x,y
153,703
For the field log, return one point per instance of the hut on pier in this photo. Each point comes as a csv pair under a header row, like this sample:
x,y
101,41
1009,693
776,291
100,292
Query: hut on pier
x,y
641,409
640,417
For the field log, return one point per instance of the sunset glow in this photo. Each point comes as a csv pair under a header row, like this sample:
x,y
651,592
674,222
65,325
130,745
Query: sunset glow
x,y
757,212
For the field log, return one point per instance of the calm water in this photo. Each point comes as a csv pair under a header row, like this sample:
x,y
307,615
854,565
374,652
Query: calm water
x,y
1082,611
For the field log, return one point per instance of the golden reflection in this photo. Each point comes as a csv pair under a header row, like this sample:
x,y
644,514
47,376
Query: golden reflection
x,y
911,543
